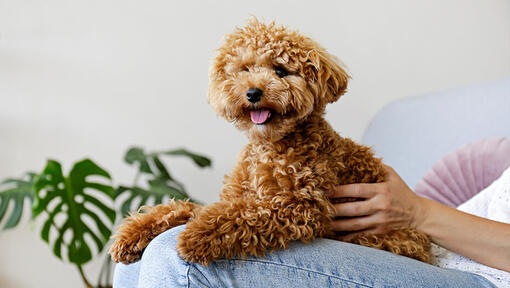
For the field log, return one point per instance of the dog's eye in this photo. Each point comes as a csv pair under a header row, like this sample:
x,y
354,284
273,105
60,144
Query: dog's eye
x,y
280,71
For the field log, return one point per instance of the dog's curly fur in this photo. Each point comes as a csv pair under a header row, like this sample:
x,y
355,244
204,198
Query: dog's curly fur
x,y
276,193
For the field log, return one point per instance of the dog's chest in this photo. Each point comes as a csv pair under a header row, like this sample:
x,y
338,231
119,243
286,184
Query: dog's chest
x,y
290,171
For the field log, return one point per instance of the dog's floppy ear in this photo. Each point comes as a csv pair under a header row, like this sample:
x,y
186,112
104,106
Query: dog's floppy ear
x,y
329,75
216,77
216,96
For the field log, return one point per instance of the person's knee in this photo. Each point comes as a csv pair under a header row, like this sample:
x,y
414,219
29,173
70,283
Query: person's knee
x,y
126,276
161,265
163,245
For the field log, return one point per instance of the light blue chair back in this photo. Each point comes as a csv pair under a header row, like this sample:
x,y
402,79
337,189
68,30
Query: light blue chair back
x,y
413,133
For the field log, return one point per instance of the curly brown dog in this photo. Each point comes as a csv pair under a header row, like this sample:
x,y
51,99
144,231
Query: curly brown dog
x,y
273,84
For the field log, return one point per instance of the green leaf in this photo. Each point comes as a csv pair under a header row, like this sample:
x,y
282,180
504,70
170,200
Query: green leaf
x,y
200,160
163,172
136,154
159,188
136,193
15,191
160,183
71,200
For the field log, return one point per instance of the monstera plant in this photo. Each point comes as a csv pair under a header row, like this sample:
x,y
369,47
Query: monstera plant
x,y
82,208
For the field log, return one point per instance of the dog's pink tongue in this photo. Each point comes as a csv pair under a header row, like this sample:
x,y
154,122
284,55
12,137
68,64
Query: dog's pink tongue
x,y
259,116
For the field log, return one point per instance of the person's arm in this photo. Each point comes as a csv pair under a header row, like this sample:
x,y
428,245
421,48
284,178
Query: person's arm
x,y
480,239
393,204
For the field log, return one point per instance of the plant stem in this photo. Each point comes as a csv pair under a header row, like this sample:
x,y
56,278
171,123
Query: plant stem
x,y
108,269
104,274
83,278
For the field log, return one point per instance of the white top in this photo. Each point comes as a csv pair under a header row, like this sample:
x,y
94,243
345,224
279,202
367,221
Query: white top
x,y
492,203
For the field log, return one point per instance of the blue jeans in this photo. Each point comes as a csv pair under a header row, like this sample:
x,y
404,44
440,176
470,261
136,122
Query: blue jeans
x,y
323,263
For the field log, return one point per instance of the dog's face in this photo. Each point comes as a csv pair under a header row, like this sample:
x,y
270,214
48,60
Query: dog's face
x,y
267,79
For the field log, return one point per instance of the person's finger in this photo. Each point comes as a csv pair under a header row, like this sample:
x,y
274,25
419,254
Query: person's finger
x,y
353,224
354,209
360,190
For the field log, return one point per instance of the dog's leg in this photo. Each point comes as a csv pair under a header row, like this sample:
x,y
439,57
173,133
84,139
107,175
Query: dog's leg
x,y
406,242
239,228
140,228
362,167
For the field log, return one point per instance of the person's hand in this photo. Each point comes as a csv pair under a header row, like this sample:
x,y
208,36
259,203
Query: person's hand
x,y
387,205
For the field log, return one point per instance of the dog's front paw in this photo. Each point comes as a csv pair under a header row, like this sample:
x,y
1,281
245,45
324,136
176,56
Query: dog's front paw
x,y
199,246
125,251
130,242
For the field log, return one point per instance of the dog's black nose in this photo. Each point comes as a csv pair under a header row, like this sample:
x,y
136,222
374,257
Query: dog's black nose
x,y
253,95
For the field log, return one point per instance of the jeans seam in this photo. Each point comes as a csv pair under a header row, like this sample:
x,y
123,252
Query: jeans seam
x,y
187,277
482,279
297,267
195,269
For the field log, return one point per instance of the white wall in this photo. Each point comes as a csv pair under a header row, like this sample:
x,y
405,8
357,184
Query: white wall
x,y
90,78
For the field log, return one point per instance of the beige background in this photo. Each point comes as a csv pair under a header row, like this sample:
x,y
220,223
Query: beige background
x,y
90,78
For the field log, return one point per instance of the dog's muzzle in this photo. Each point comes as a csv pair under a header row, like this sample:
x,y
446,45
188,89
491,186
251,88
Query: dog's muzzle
x,y
253,95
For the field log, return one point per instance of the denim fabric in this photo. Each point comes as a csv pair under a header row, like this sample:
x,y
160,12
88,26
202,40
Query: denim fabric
x,y
323,263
